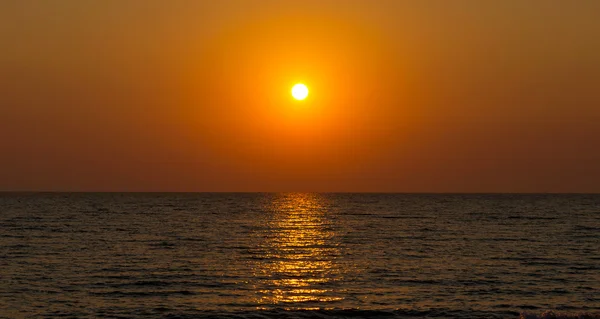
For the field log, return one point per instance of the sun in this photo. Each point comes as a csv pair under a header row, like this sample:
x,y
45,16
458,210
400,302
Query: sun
x,y
299,91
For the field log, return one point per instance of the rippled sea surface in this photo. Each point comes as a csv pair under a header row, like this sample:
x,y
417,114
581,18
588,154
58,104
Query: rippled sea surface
x,y
297,255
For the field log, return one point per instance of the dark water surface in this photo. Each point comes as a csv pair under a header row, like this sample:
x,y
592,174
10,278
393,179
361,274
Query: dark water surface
x,y
297,255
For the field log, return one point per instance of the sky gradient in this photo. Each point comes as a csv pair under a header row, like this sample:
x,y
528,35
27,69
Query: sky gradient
x,y
405,96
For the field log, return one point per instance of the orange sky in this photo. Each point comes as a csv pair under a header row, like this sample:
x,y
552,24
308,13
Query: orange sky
x,y
405,96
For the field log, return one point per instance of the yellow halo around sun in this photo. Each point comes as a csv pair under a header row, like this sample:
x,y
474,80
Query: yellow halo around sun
x,y
299,91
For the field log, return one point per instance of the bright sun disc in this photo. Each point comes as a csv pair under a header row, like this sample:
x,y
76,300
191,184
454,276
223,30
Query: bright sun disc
x,y
300,91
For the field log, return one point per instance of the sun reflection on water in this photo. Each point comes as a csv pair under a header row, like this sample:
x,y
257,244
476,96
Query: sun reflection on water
x,y
297,265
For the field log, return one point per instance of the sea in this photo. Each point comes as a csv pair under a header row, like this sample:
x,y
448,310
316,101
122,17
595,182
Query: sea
x,y
299,255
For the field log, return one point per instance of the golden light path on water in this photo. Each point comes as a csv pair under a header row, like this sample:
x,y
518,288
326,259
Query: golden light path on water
x,y
298,264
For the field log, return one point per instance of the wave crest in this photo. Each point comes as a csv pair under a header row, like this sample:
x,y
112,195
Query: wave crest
x,y
559,315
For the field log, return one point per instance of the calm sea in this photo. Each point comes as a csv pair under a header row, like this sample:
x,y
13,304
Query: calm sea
x,y
297,255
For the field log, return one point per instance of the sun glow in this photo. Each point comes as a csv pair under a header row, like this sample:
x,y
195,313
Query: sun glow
x,y
300,91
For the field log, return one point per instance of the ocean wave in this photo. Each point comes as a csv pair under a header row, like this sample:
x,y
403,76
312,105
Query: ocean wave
x,y
166,312
560,315
344,313
358,313
387,314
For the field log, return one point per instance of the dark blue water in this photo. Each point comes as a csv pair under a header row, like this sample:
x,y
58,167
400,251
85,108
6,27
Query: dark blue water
x,y
298,255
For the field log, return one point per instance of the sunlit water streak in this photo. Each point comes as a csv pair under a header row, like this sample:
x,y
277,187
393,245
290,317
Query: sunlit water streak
x,y
297,255
297,262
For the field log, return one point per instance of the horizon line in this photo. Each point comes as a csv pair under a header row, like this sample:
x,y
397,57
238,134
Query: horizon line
x,y
290,192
